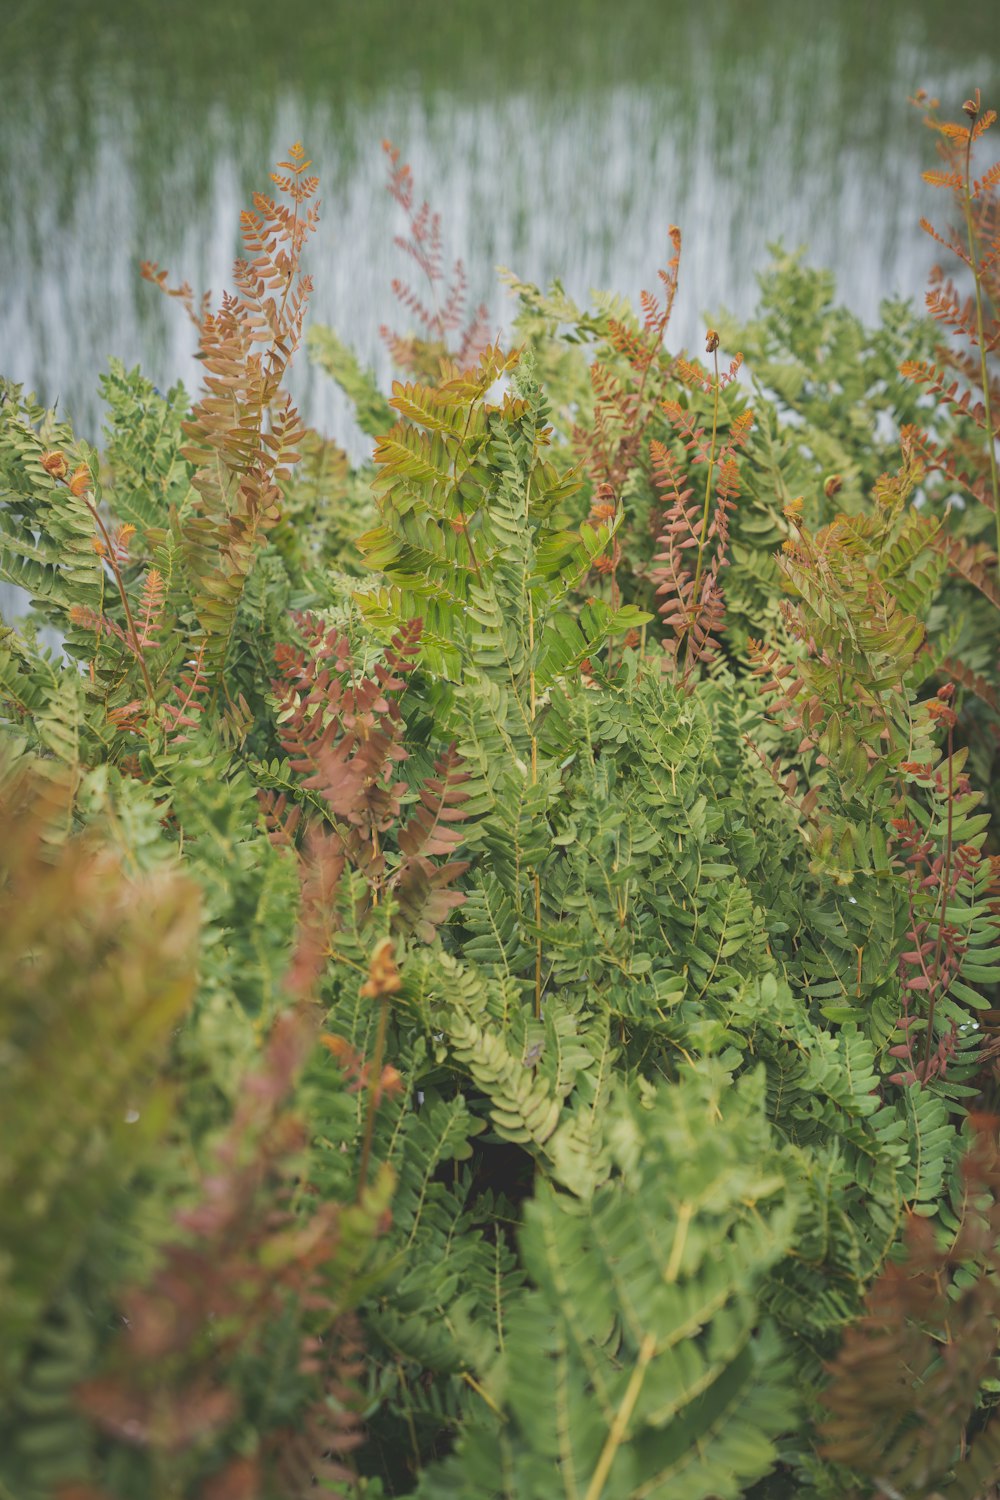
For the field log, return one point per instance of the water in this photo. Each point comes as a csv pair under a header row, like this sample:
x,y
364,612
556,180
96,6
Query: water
x,y
556,140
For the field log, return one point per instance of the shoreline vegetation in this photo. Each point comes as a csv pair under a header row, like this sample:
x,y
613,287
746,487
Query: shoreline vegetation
x,y
499,979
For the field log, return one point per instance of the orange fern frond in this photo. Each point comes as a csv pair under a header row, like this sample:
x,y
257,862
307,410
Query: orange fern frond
x,y
988,181
150,271
986,119
243,432
120,542
92,619
610,446
150,607
954,312
940,177
937,382
975,320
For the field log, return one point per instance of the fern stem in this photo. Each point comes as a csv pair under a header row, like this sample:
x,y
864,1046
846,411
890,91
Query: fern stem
x,y
699,565
458,498
112,560
945,894
708,480
538,946
374,1077
408,1414
272,353
622,1417
533,708
991,436
680,1240
376,883
475,1386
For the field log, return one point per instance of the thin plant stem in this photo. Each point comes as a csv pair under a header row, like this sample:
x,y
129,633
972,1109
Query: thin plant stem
x,y
703,537
622,1417
533,709
458,499
945,894
647,1349
991,437
374,1078
474,1385
699,565
112,560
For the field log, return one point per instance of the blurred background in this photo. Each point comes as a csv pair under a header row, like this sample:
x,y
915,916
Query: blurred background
x,y
556,138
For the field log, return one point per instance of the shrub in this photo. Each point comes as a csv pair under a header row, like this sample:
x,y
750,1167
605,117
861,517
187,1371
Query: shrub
x,y
547,948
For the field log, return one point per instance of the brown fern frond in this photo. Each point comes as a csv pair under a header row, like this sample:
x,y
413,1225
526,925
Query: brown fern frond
x,y
633,345
321,864
694,536
952,242
936,457
985,120
954,312
656,316
453,307
120,543
281,817
240,1258
92,619
693,374
936,379
342,737
343,734
409,299
423,894
310,1454
976,563
668,476
243,432
903,1392
624,406
444,316
942,177
478,335
431,830
966,362
191,692
979,251
972,681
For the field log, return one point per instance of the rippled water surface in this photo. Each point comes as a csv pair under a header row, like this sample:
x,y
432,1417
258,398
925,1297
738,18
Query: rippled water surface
x,y
560,139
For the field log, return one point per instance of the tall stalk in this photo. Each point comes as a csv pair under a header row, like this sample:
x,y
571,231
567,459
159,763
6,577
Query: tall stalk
x,y
713,349
971,108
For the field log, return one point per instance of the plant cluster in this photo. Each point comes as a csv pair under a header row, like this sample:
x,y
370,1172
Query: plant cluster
x,y
499,945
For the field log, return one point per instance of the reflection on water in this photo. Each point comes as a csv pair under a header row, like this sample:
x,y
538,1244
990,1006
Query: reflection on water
x,y
140,132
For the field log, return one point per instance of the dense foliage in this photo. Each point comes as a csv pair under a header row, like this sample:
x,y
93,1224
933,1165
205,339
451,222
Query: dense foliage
x,y
498,945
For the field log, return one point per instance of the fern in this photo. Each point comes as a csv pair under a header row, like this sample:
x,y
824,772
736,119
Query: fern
x,y
422,244
242,434
654,1376
933,1316
92,1019
594,899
